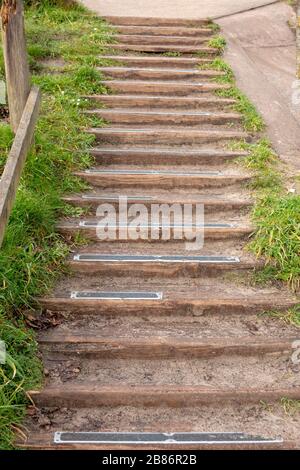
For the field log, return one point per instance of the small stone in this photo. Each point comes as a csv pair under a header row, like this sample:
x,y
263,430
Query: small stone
x,y
44,421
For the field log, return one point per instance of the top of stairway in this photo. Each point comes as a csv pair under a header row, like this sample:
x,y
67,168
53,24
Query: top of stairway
x,y
170,10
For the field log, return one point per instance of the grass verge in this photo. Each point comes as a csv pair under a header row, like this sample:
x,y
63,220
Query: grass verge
x,y
276,212
63,43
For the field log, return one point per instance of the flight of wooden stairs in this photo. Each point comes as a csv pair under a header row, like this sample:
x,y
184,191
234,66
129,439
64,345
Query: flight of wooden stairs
x,y
190,350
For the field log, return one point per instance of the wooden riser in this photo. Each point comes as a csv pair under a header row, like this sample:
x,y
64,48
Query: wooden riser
x,y
155,22
161,88
133,117
120,180
181,102
174,396
131,73
69,229
210,205
168,270
164,31
159,347
208,51
160,156
157,61
153,40
166,306
163,136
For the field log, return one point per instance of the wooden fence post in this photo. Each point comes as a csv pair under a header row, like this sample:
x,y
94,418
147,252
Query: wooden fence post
x,y
15,58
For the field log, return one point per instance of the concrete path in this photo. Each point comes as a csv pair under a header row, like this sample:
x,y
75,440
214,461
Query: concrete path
x,y
173,8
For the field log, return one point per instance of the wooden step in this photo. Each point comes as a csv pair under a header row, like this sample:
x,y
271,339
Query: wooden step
x,y
211,203
161,135
160,347
88,228
203,50
164,31
135,117
83,396
146,101
163,87
133,73
183,304
141,21
155,40
45,441
156,61
163,156
104,177
117,264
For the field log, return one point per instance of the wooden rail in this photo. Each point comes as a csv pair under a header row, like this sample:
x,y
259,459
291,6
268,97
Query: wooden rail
x,y
17,156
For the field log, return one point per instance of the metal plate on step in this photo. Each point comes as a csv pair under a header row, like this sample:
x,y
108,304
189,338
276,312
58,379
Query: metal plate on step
x,y
116,295
117,198
87,224
155,258
160,113
159,438
152,69
162,150
152,172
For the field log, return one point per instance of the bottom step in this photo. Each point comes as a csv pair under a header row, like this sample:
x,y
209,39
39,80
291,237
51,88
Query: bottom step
x,y
45,442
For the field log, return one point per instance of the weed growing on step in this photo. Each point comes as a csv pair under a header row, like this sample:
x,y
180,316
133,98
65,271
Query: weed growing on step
x,y
213,26
217,42
172,54
291,316
291,407
33,255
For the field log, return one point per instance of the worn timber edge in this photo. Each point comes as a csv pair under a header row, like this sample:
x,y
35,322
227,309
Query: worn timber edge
x,y
17,156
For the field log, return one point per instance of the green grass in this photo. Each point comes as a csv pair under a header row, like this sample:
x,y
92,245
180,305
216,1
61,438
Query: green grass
x,y
276,215
291,316
32,256
291,407
276,212
22,371
213,26
217,42
172,54
252,120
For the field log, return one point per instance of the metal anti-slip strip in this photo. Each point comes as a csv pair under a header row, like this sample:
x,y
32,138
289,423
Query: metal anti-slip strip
x,y
152,172
84,223
117,198
159,438
189,71
160,150
155,258
116,295
160,113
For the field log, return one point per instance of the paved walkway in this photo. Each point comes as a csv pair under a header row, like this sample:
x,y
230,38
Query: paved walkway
x,y
173,8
